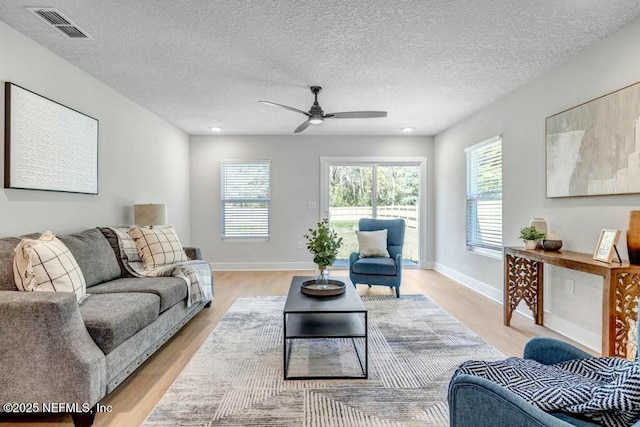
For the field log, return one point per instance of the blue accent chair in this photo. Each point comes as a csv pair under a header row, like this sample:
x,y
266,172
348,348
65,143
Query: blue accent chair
x,y
379,270
478,402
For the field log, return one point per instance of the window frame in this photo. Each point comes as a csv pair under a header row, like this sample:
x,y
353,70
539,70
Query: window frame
x,y
420,161
224,201
472,242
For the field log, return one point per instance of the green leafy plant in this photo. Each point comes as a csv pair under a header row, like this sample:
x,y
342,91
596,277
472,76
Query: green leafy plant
x,y
531,233
323,243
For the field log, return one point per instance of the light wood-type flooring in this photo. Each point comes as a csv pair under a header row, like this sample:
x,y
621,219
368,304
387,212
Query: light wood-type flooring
x,y
136,397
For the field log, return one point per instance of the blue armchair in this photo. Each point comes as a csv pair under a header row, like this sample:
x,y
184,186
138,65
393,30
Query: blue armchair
x,y
378,270
478,402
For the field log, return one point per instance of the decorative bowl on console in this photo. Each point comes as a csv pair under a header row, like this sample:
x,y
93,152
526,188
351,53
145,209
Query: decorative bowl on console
x,y
551,245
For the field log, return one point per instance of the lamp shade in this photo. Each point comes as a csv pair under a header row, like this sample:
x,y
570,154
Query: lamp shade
x,y
150,214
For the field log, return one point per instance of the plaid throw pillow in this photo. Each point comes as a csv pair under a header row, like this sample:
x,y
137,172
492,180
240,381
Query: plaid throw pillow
x,y
46,264
158,246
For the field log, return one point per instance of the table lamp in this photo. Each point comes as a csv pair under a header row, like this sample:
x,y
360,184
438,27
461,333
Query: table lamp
x,y
150,214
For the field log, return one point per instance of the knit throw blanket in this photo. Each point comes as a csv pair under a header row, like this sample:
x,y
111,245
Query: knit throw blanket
x,y
605,390
196,273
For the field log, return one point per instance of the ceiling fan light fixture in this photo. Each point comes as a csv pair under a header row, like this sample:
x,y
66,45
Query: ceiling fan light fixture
x,y
316,120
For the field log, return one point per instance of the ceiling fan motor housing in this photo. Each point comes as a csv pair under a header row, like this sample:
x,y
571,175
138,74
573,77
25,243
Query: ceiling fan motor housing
x,y
316,113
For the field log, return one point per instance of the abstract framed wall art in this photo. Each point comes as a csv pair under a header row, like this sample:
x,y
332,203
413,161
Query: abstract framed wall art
x,y
48,146
594,149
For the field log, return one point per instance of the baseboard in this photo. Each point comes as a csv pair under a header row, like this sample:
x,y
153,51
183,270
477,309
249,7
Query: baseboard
x,y
575,332
429,265
478,286
261,266
551,321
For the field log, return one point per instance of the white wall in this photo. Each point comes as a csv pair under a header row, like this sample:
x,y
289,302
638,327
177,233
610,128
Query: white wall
x,y
520,117
295,181
142,158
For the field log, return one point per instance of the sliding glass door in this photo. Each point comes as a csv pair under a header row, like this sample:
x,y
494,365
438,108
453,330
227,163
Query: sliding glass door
x,y
373,189
398,196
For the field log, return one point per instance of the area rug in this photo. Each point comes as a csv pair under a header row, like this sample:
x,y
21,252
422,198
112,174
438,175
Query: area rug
x,y
236,377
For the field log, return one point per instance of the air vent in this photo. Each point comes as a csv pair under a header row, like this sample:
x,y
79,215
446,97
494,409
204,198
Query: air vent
x,y
57,20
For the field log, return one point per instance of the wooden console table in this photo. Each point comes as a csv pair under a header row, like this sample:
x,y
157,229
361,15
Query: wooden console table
x,y
524,279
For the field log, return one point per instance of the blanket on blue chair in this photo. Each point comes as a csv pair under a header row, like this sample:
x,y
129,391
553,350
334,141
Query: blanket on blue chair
x,y
605,390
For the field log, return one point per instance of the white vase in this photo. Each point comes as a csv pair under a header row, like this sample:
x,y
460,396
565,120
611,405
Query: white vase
x,y
530,244
541,225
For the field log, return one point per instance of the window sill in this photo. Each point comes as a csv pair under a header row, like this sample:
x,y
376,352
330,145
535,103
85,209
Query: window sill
x,y
489,253
245,239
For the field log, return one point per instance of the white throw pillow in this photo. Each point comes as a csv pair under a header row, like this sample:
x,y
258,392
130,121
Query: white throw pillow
x,y
46,264
372,243
158,246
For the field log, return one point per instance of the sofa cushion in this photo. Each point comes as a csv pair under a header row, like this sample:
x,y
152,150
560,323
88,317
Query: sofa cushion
x,y
111,319
46,264
94,255
378,266
7,281
171,290
158,246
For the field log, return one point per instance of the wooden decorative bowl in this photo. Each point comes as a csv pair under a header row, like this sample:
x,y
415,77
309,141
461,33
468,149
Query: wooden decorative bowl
x,y
316,289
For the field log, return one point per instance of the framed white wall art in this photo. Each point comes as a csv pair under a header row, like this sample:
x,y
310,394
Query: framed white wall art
x,y
594,149
48,146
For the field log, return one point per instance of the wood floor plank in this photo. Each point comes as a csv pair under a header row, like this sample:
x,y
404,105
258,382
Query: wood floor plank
x,y
135,398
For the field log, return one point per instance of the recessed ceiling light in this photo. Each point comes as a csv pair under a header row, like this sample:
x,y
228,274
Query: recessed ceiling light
x,y
215,128
407,129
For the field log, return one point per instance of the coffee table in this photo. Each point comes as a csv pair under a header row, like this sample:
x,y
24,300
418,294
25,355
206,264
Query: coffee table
x,y
342,316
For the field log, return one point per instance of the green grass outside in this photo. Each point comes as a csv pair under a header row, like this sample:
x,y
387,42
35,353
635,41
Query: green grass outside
x,y
347,230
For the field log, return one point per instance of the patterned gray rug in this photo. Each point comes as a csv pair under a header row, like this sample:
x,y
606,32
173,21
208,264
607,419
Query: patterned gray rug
x,y
236,379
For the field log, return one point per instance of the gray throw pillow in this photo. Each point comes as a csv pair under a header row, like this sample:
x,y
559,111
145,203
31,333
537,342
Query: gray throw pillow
x,y
94,255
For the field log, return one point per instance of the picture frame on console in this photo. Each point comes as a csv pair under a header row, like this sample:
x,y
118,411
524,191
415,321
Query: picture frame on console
x,y
594,148
606,245
48,146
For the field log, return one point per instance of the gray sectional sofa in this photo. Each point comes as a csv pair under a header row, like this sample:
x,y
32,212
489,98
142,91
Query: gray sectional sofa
x,y
54,350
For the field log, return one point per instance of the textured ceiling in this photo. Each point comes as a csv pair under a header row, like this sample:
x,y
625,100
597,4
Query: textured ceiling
x,y
429,63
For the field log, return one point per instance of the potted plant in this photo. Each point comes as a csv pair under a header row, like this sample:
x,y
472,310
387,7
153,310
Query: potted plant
x,y
530,236
323,243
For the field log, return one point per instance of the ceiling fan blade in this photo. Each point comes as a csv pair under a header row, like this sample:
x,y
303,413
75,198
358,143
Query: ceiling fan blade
x,y
356,115
302,127
285,107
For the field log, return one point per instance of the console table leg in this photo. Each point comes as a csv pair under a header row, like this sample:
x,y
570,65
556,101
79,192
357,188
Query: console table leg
x,y
624,287
523,281
538,312
506,303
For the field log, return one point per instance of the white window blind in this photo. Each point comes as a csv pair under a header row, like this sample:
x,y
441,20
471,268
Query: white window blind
x,y
245,196
484,195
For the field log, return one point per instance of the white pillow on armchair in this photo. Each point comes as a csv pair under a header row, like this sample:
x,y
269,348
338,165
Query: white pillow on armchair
x,y
373,243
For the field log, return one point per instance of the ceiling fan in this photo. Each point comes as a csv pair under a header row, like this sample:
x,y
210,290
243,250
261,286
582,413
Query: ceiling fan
x,y
316,115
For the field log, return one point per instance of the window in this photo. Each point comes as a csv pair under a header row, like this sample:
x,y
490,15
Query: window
x,y
484,195
245,196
